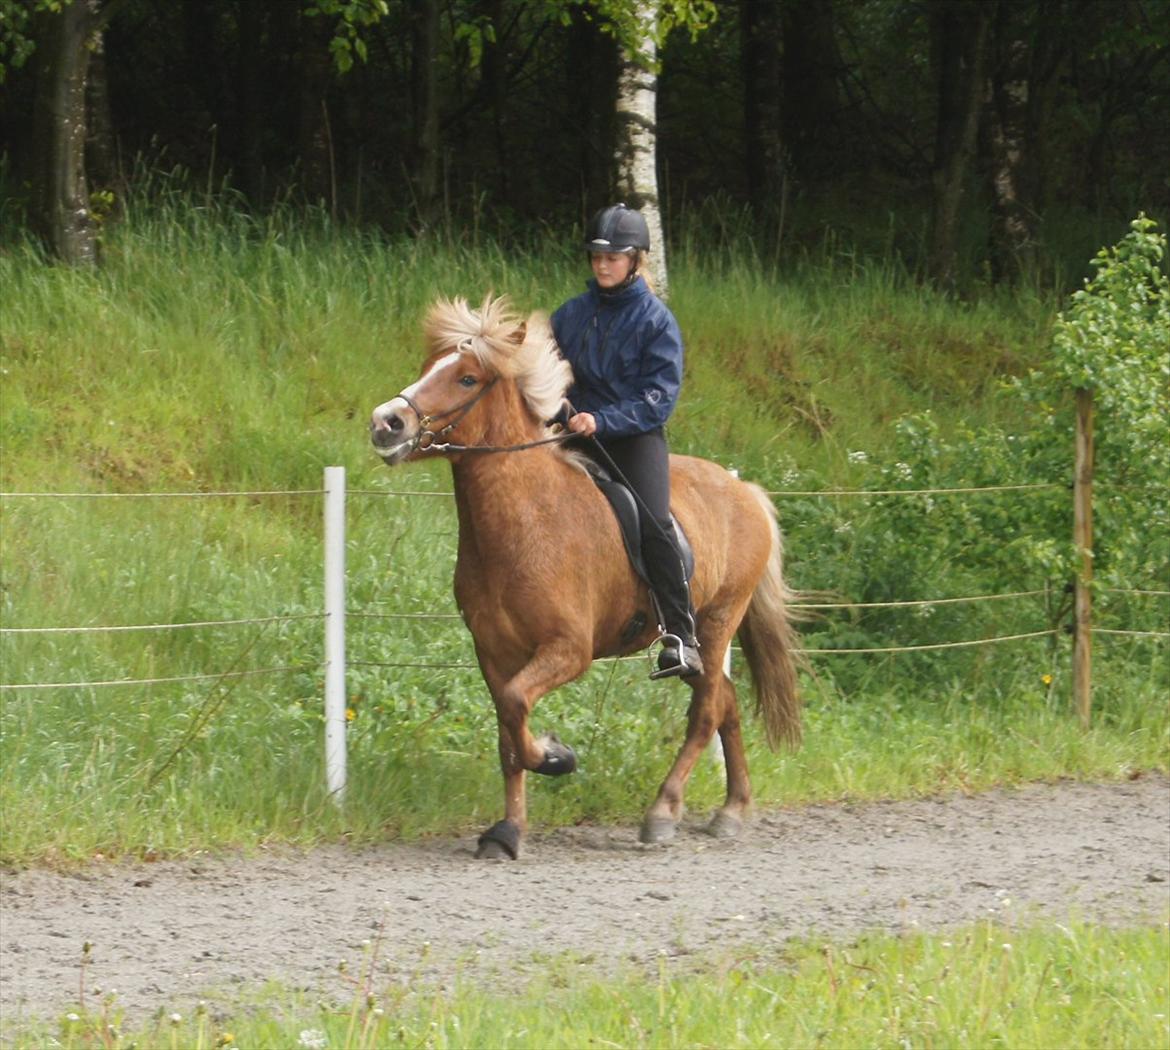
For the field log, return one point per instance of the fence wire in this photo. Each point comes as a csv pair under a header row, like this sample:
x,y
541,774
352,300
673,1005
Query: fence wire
x,y
9,687
116,628
160,495
781,493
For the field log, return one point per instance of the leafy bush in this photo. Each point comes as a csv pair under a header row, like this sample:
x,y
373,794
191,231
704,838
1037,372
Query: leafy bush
x,y
1113,339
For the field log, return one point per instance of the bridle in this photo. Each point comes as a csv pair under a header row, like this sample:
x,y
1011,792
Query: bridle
x,y
427,440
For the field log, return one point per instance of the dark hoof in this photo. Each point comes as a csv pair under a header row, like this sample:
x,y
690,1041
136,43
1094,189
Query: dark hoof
x,y
724,826
500,842
656,830
559,758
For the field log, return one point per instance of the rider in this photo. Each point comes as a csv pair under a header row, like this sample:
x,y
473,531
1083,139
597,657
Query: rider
x,y
627,356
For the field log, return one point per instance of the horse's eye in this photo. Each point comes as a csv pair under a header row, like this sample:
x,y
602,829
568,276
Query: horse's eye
x,y
468,381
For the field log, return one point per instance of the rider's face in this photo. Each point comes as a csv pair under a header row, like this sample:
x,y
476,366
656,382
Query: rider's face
x,y
611,268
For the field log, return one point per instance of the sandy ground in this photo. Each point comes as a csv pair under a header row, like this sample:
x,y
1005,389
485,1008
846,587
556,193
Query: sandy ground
x,y
165,935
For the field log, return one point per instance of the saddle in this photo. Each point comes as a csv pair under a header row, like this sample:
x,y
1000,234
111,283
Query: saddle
x,y
629,518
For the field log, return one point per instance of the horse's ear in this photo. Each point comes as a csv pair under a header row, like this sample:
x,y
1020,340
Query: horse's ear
x,y
519,333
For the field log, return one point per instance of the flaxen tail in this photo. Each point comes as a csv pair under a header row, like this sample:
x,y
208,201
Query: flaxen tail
x,y
770,642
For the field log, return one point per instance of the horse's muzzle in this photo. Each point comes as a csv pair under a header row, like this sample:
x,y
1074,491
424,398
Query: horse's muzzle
x,y
393,430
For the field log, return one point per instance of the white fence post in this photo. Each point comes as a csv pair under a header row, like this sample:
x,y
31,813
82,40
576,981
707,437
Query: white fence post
x,y
335,632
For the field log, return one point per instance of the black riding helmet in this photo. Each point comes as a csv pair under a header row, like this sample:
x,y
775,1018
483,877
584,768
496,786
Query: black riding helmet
x,y
617,229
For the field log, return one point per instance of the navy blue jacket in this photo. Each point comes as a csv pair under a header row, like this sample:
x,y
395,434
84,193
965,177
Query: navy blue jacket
x,y
627,356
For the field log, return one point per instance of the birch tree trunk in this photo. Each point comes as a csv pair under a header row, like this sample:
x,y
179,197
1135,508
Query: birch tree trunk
x,y
637,133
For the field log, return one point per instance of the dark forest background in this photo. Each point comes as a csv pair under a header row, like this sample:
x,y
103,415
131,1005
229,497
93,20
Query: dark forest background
x,y
781,120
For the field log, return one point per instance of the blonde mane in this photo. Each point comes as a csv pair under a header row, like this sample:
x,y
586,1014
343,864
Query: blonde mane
x,y
506,345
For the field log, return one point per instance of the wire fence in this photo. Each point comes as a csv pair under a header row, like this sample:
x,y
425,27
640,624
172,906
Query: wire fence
x,y
440,617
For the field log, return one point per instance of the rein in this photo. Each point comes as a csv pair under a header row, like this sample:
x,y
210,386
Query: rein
x,y
446,446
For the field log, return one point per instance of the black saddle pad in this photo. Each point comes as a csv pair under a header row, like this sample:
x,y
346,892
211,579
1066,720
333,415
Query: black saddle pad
x,y
629,519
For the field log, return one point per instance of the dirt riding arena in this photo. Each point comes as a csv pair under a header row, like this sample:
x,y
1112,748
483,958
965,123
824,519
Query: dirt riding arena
x,y
167,934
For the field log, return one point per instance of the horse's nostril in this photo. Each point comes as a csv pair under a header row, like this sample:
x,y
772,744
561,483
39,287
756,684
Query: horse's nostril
x,y
396,423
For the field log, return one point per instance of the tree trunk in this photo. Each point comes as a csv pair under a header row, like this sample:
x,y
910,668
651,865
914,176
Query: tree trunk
x,y
101,148
812,104
314,148
959,41
425,98
591,79
1013,236
59,124
1049,57
494,74
60,203
763,144
249,106
637,133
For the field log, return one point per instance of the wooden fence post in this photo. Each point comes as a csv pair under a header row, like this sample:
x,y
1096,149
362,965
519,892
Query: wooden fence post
x,y
1083,539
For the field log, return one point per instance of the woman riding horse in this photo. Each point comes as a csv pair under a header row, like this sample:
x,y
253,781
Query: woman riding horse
x,y
627,356
542,578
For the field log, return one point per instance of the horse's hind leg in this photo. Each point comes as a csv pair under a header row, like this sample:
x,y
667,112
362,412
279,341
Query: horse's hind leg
x,y
729,818
713,708
702,719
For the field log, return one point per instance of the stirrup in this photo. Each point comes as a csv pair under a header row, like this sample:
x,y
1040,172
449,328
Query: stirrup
x,y
677,658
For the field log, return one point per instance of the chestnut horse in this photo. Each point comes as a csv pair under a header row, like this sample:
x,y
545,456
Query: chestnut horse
x,y
542,578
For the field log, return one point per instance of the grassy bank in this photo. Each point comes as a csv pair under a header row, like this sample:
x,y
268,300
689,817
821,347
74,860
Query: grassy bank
x,y
213,352
1035,987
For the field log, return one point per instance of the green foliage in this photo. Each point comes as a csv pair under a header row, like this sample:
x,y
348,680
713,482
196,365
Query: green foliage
x,y
1114,340
1115,337
16,42
351,17
625,19
634,23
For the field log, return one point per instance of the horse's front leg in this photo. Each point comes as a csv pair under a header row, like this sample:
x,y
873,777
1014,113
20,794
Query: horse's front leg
x,y
552,664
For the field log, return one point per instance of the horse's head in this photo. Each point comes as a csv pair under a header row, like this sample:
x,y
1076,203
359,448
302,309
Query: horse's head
x,y
471,352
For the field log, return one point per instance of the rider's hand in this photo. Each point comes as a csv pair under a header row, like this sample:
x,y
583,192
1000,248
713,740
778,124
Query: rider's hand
x,y
583,423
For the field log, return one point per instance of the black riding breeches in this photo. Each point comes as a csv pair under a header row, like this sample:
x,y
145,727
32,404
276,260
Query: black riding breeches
x,y
644,461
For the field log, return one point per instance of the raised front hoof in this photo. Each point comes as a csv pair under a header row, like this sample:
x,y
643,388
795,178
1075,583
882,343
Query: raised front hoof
x,y
559,758
500,842
657,830
724,826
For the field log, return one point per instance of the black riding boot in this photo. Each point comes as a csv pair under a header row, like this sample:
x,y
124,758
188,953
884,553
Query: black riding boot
x,y
680,649
679,655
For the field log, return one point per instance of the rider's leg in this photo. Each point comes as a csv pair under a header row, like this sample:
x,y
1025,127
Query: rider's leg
x,y
644,460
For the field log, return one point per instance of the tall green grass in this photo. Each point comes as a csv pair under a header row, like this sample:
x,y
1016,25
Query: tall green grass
x,y
216,351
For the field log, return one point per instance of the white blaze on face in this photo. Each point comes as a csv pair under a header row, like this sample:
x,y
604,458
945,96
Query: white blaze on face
x,y
401,403
450,360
